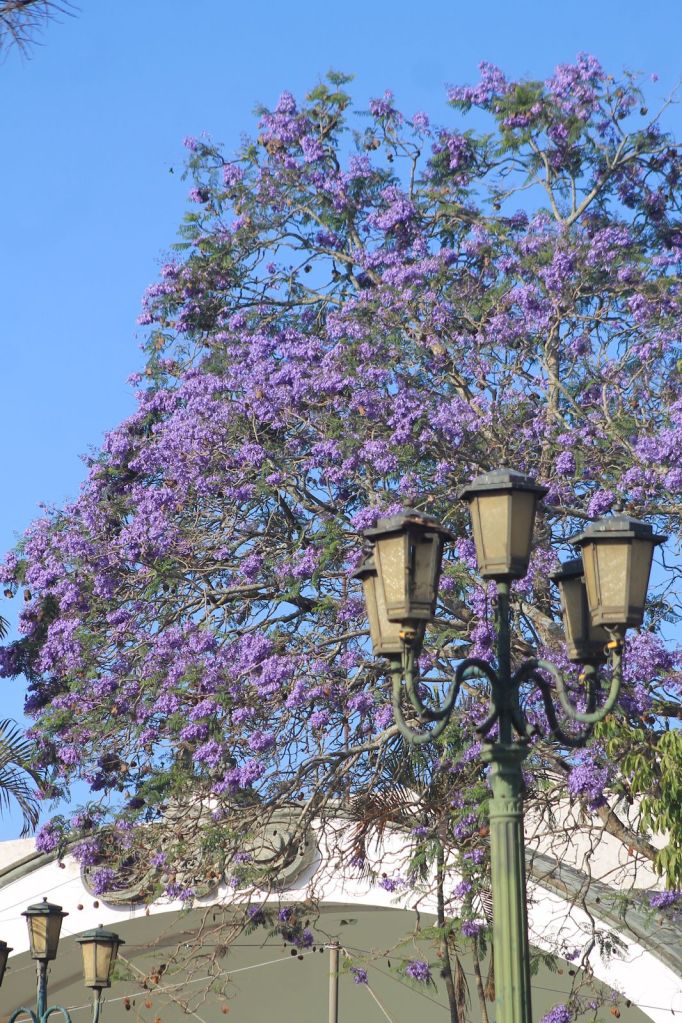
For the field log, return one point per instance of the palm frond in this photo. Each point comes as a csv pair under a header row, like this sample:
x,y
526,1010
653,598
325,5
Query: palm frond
x,y
19,779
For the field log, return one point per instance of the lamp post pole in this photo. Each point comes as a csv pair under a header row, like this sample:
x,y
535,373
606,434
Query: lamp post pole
x,y
602,594
507,855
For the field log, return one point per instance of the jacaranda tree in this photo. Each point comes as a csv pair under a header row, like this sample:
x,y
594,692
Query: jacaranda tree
x,y
365,311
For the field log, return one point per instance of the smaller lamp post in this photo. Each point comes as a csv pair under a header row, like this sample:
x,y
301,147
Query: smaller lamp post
x,y
100,947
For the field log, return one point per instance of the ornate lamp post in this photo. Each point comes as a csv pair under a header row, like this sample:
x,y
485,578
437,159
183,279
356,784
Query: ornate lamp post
x,y
99,948
401,583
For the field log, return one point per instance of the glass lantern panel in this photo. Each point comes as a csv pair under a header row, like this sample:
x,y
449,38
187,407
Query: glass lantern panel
x,y
89,964
390,555
385,635
389,632
426,569
523,504
490,515
607,567
590,570
44,930
571,591
106,953
369,586
584,640
640,569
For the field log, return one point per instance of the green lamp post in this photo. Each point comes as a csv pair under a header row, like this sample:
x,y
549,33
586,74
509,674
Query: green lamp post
x,y
602,594
99,949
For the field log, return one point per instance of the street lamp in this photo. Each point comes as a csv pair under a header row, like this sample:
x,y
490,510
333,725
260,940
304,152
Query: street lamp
x,y
99,947
602,594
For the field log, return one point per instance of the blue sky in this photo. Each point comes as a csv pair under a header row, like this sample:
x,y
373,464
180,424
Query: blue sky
x,y
93,125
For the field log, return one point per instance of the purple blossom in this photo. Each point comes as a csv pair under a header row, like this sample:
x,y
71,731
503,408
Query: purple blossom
x,y
359,975
565,463
664,900
48,837
559,1014
588,781
179,892
260,741
382,107
103,880
418,970
392,884
493,83
601,502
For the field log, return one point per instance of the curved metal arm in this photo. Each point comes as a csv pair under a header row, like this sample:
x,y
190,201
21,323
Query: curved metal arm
x,y
504,700
56,1008
470,668
416,738
23,1011
590,716
529,672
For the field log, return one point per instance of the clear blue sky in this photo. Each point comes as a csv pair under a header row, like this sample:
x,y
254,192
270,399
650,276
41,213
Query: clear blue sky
x,y
94,121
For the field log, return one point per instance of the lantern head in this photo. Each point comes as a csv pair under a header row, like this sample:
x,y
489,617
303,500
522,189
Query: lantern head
x,y
617,553
4,956
44,921
585,641
99,949
385,635
502,504
407,550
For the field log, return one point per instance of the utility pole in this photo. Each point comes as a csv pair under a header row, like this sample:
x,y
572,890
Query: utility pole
x,y
333,982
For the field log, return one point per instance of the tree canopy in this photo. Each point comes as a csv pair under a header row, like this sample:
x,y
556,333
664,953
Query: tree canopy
x,y
364,311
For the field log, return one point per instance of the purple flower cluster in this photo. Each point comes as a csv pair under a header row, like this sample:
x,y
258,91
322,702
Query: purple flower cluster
x,y
418,970
665,900
559,1014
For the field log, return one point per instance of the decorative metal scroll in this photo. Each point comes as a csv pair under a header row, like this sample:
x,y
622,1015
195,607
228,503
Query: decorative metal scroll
x,y
278,853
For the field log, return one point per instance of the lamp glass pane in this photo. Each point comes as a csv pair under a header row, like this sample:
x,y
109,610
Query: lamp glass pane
x,y
37,933
425,552
388,631
571,591
384,634
369,587
640,569
490,519
425,568
391,554
89,963
98,961
590,570
44,933
612,564
522,522
584,641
